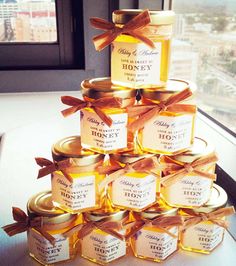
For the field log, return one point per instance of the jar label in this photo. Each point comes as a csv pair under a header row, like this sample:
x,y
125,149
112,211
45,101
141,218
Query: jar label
x,y
154,244
168,133
135,63
134,192
79,194
102,247
44,251
188,191
96,134
203,236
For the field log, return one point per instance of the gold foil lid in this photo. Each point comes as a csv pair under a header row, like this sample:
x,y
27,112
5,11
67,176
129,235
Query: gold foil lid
x,y
122,16
217,200
159,209
41,205
102,87
70,147
173,86
110,216
200,148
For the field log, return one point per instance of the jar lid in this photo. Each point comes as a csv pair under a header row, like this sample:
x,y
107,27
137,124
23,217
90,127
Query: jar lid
x,y
96,216
201,147
217,200
131,157
172,86
103,87
159,209
123,16
41,205
70,147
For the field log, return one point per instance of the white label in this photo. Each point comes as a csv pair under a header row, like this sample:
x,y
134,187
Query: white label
x,y
44,251
188,191
95,133
135,63
155,245
168,133
133,192
203,236
102,247
79,194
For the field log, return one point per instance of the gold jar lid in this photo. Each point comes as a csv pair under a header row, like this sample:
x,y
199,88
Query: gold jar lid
x,y
159,209
131,157
200,148
70,147
102,87
41,205
217,200
172,86
96,216
123,16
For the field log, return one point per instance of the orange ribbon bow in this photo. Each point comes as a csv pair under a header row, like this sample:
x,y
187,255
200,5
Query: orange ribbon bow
x,y
48,167
96,105
133,28
214,217
187,168
147,112
23,223
161,222
115,171
110,227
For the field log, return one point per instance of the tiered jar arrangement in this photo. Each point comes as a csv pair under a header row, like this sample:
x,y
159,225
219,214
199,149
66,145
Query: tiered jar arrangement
x,y
137,176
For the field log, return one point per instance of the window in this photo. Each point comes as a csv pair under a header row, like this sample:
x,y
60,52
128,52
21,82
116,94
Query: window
x,y
204,51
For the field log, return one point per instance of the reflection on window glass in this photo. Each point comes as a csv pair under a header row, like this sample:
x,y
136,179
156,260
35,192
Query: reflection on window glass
x,y
28,21
204,51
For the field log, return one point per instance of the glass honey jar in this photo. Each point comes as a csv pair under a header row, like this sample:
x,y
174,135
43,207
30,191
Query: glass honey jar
x,y
55,222
80,193
133,63
205,226
100,245
192,189
138,187
95,134
168,132
158,237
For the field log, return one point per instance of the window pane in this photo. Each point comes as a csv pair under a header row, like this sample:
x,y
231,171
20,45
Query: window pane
x,y
30,21
204,51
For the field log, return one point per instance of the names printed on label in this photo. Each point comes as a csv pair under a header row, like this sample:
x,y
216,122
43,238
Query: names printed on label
x,y
95,133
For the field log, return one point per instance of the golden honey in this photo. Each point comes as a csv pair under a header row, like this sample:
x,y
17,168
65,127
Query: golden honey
x,y
151,242
95,134
192,190
99,246
133,63
81,193
55,222
167,132
134,190
205,236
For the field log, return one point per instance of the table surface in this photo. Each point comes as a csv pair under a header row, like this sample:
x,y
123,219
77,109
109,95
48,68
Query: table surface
x,y
20,144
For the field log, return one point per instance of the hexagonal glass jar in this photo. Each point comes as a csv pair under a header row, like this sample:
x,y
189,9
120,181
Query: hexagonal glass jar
x,y
134,190
55,222
81,193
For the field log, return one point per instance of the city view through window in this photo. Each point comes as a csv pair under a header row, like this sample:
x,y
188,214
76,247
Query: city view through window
x,y
204,51
30,21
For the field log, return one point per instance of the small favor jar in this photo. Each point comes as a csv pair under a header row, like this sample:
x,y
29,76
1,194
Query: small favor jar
x,y
158,237
136,180
79,192
188,179
55,222
134,64
105,242
95,134
169,126
204,227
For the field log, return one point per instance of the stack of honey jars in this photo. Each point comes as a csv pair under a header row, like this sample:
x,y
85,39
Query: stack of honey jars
x,y
137,176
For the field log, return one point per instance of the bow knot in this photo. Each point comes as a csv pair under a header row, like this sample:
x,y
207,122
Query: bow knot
x,y
203,216
162,107
188,167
